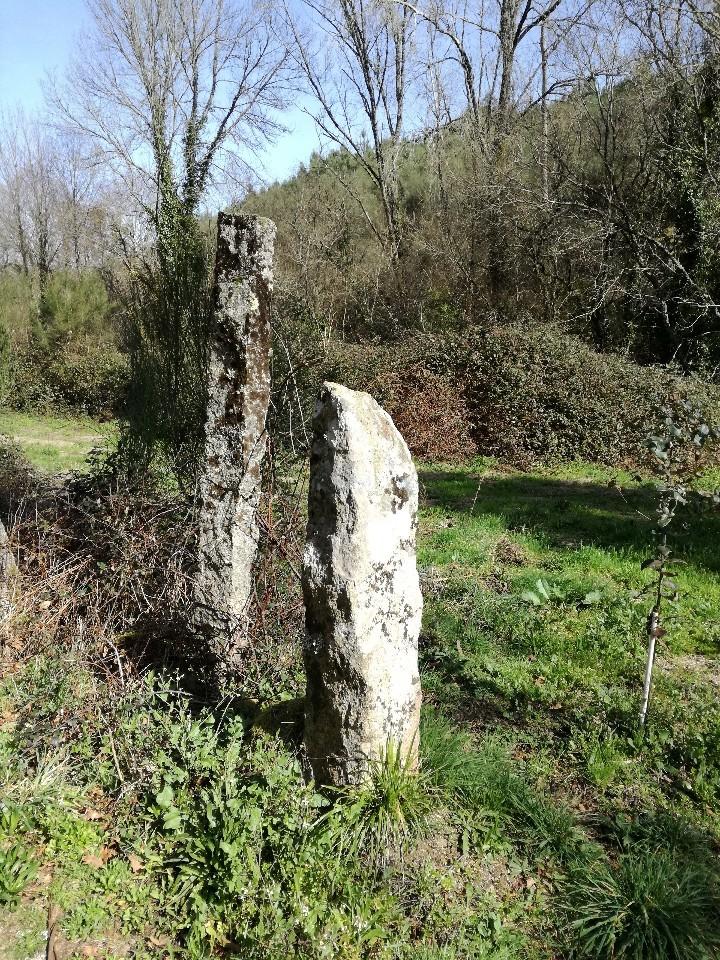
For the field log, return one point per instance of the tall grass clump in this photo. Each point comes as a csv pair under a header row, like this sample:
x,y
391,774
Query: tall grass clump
x,y
653,905
376,820
484,779
451,762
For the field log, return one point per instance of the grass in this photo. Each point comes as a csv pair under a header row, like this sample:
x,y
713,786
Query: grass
x,y
55,444
378,820
544,825
652,903
534,637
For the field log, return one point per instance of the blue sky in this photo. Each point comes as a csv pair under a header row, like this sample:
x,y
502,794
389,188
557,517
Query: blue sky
x,y
39,35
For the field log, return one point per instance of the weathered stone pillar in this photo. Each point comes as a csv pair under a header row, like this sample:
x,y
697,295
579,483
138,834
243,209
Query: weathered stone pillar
x,y
8,572
362,593
8,568
235,439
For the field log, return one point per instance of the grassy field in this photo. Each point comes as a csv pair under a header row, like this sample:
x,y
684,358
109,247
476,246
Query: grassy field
x,y
55,444
545,823
564,661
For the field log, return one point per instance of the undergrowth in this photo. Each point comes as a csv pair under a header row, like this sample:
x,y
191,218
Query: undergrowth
x,y
161,810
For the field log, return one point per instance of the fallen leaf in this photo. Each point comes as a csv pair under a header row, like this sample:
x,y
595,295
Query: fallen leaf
x,y
136,863
91,814
93,860
98,859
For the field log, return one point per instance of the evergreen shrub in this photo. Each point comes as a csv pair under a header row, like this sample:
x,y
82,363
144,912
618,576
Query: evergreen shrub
x,y
521,393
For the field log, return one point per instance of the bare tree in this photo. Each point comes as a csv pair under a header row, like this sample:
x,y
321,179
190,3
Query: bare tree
x,y
356,64
13,183
31,191
482,39
83,211
172,92
53,205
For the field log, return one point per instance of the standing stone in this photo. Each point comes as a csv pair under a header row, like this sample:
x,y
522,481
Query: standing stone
x,y
8,572
362,594
235,438
8,567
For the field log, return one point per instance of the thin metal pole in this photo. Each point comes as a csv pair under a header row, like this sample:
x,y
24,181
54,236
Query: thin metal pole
x,y
652,633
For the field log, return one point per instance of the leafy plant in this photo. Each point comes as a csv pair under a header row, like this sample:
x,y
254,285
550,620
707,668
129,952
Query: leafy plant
x,y
603,758
17,870
17,865
547,593
679,451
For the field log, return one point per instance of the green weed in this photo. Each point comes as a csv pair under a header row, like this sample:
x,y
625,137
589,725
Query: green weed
x,y
17,865
604,757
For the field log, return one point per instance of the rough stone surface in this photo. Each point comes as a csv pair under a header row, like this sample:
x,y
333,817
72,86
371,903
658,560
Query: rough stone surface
x,y
8,567
362,593
8,570
235,438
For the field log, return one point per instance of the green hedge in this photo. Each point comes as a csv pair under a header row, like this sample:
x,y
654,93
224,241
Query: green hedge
x,y
62,351
519,393
85,376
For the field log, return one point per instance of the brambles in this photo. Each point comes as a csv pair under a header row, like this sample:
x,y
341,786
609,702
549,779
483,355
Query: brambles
x,y
80,376
522,394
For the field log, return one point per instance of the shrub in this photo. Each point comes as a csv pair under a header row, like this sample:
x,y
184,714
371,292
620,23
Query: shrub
x,y
84,376
537,394
166,315
420,395
17,477
5,355
520,393
73,305
60,350
426,409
